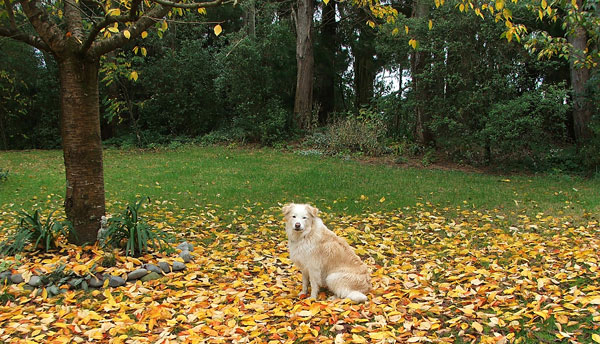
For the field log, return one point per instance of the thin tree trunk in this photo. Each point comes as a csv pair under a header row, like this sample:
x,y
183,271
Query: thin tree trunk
x,y
418,62
82,147
580,75
250,19
326,65
305,63
365,68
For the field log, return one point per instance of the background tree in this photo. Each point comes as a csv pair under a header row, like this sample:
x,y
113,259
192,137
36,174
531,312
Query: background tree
x,y
77,34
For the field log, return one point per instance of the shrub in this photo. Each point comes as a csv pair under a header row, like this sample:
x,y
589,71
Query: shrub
x,y
364,133
131,232
33,230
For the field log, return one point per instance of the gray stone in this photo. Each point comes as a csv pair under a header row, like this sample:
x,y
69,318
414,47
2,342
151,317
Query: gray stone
x,y
164,266
136,274
35,281
16,278
5,276
178,266
152,268
115,281
96,282
151,276
186,256
185,246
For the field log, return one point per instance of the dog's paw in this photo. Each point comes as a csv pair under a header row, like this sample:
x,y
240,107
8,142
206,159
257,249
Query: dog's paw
x,y
357,296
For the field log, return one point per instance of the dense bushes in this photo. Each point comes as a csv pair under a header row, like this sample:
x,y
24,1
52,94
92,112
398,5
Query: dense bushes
x,y
484,100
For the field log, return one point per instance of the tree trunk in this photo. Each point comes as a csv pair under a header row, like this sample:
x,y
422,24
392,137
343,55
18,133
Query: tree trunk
x,y
418,62
82,146
250,19
365,68
305,63
580,75
326,64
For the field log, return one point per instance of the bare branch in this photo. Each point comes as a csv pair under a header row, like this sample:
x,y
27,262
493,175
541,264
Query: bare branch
x,y
34,41
192,5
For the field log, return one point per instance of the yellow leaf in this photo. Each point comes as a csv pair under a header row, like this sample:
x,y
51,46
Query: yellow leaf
x,y
406,29
144,34
133,76
358,339
596,337
499,4
461,7
413,43
113,29
382,199
543,314
127,34
378,335
325,2
218,29
394,33
477,326
202,10
114,12
371,23
144,52
430,24
164,25
135,49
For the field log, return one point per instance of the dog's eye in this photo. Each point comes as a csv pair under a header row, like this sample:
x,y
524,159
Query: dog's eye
x,y
304,217
294,216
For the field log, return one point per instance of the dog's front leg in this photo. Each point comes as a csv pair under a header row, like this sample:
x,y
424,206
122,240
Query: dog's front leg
x,y
314,283
305,282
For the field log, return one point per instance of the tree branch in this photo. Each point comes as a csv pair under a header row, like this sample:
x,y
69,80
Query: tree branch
x,y
192,5
34,41
132,16
11,14
102,47
49,32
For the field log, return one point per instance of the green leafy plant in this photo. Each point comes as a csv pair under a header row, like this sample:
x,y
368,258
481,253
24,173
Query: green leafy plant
x,y
3,174
44,235
131,232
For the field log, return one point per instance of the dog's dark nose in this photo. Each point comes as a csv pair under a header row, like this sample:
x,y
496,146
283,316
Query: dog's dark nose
x,y
297,225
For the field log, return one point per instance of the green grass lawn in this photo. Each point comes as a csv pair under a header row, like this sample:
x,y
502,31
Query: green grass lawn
x,y
232,177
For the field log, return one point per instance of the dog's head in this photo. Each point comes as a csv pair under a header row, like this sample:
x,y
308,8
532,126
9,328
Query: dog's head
x,y
299,217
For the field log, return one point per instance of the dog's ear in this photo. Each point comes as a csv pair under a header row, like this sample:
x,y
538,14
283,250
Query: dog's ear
x,y
286,208
312,210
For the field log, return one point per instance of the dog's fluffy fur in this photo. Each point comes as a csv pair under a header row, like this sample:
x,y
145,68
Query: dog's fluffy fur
x,y
324,259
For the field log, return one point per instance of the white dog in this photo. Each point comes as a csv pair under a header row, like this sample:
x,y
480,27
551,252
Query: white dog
x,y
324,259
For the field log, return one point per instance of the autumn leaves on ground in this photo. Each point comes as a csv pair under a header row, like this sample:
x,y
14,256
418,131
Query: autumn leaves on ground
x,y
441,274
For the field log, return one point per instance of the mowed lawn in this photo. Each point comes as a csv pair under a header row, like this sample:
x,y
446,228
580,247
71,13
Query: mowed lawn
x,y
193,176
455,257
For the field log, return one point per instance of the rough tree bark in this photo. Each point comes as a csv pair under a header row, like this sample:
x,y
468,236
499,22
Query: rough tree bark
x,y
418,63
580,75
305,63
82,146
326,63
365,68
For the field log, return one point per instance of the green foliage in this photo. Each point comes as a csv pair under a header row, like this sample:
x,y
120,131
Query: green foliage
x,y
364,133
42,234
3,174
131,232
526,127
59,277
